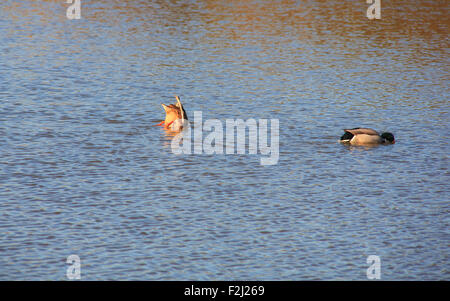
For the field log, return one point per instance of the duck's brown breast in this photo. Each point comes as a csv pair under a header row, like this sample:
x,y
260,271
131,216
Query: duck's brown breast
x,y
364,139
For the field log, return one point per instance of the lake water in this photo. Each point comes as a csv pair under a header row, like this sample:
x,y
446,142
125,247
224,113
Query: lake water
x,y
83,169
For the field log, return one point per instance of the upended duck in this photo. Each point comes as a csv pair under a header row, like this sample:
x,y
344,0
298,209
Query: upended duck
x,y
175,116
365,136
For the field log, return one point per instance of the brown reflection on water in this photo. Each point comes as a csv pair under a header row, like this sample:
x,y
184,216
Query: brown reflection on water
x,y
329,22
236,17
27,11
412,27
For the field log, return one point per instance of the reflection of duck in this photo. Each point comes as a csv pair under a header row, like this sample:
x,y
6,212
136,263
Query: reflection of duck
x,y
364,136
175,116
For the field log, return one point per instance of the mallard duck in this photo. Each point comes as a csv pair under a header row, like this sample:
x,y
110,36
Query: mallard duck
x,y
364,136
175,116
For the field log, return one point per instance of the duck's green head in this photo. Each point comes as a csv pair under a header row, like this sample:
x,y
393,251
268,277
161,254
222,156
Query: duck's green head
x,y
388,137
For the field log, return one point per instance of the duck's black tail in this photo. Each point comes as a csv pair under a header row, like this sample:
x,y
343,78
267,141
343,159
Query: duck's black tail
x,y
347,136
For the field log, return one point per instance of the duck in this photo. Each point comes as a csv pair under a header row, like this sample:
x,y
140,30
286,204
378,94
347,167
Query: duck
x,y
366,136
175,116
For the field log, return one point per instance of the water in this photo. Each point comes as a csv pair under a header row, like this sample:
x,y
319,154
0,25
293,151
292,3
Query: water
x,y
85,172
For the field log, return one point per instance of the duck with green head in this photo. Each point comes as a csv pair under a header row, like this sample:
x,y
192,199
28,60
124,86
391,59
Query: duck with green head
x,y
366,136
